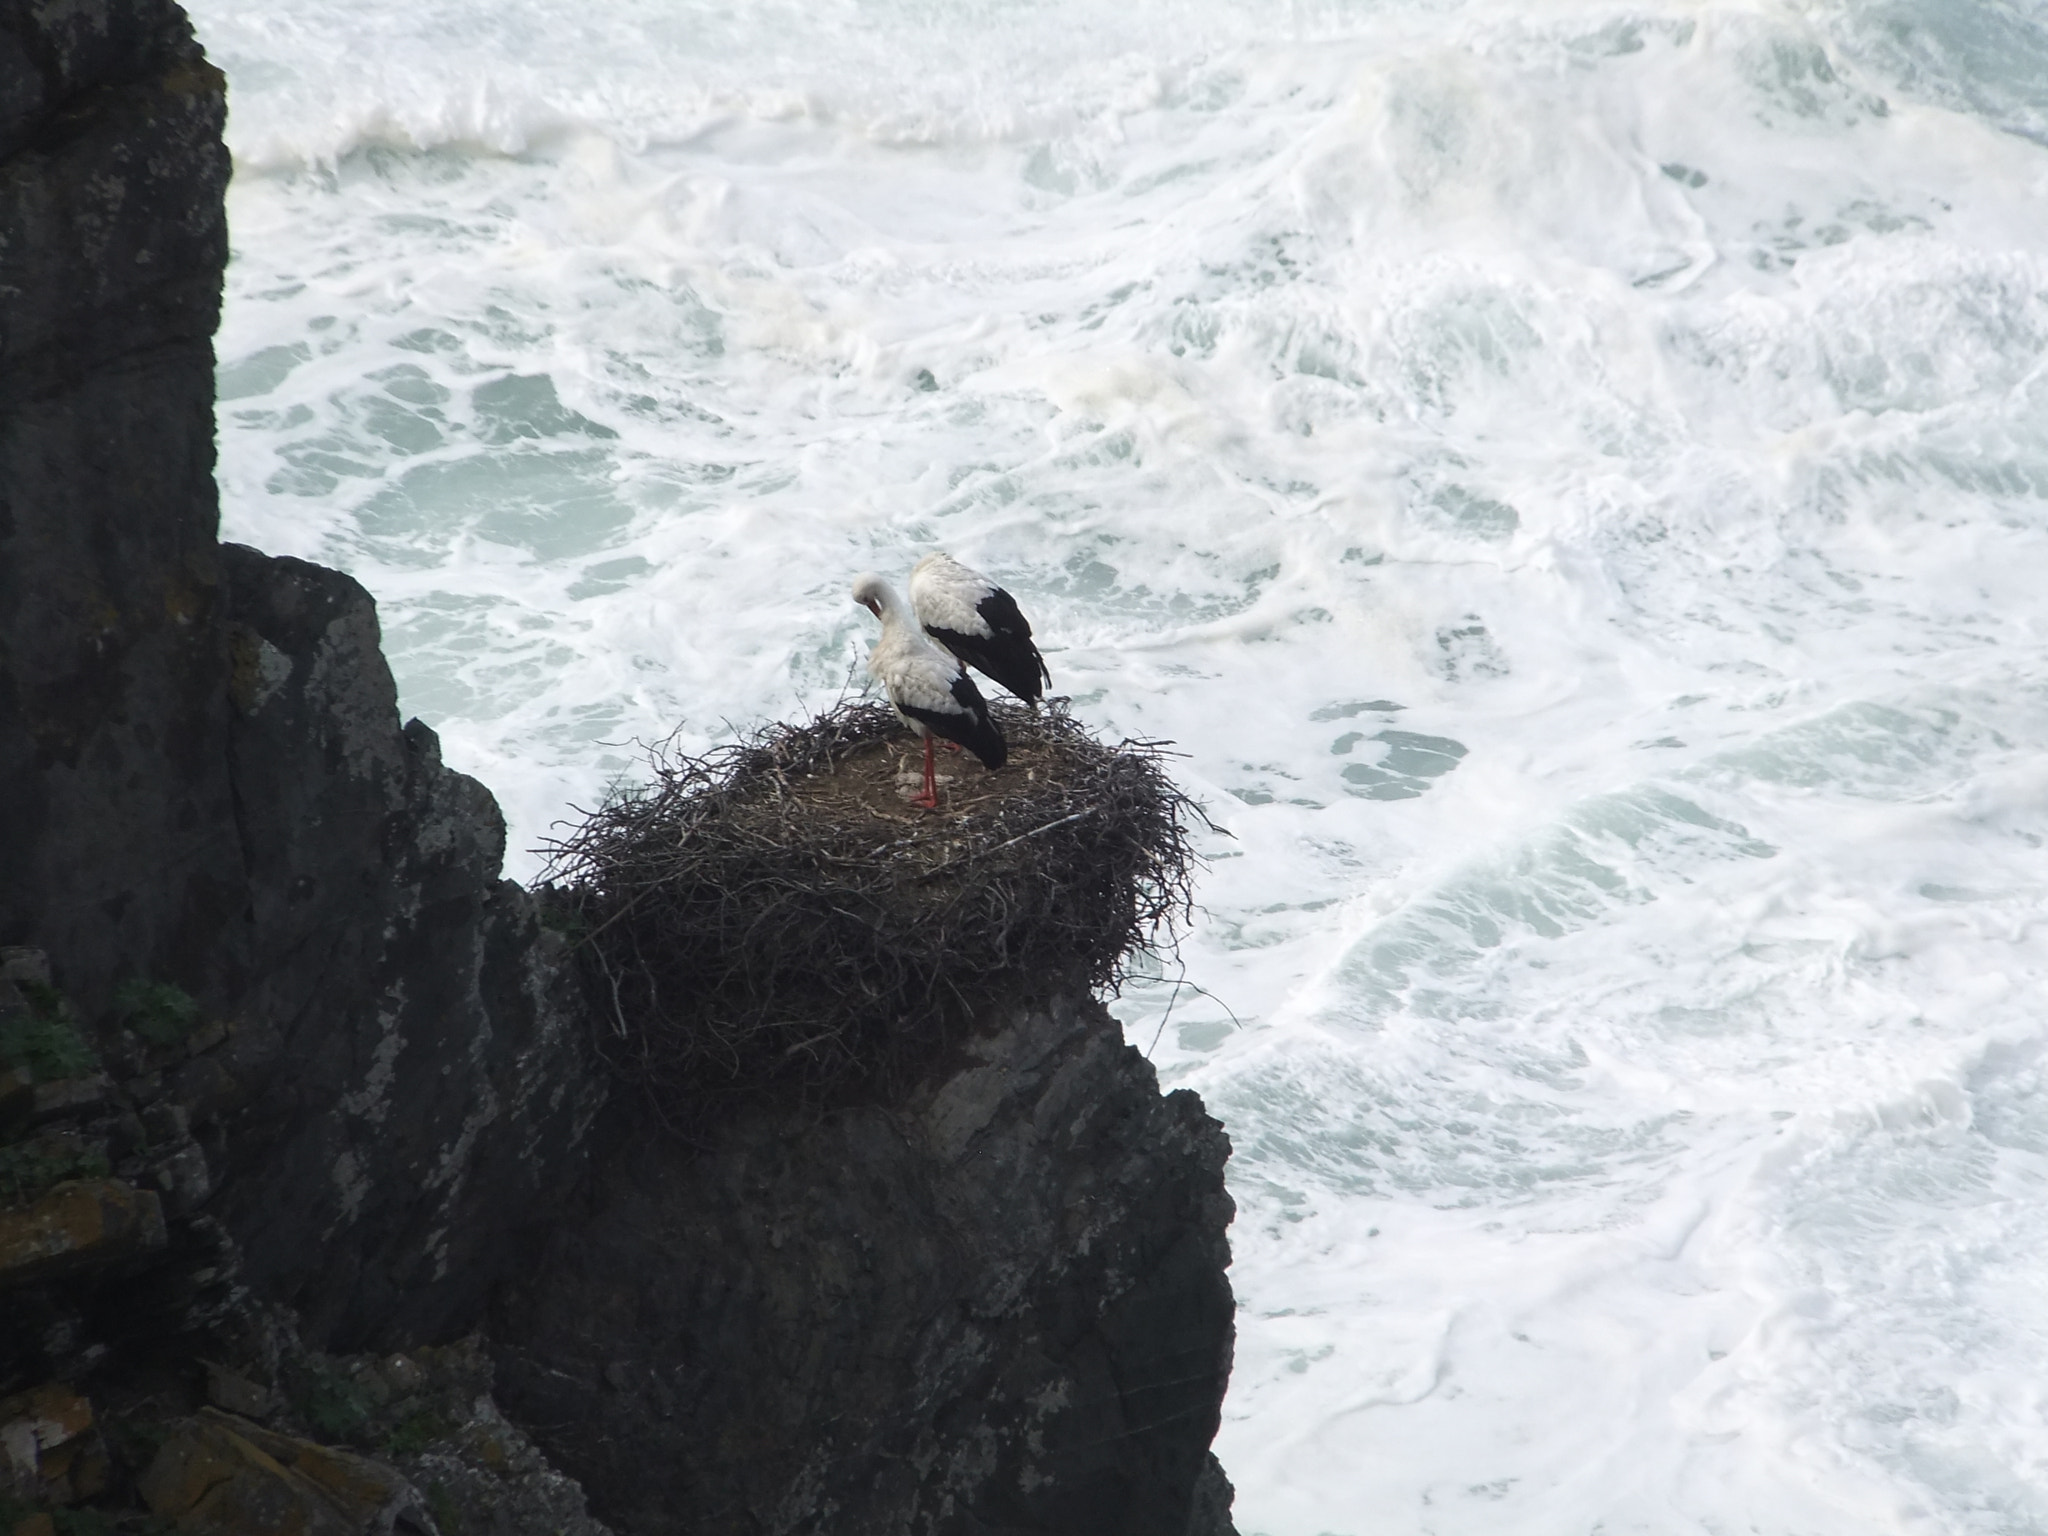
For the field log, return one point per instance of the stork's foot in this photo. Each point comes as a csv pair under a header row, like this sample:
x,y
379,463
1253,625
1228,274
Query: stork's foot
x,y
952,746
927,802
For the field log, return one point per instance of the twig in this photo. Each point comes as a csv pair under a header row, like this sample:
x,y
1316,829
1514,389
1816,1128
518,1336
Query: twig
x,y
983,853
1179,982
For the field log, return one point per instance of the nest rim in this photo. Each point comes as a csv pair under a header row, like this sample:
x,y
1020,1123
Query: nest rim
x,y
759,922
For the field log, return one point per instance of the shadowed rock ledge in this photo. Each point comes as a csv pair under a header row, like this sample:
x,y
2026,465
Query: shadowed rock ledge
x,y
997,1305
296,1093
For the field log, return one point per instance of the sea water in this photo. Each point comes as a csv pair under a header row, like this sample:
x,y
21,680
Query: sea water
x,y
1572,478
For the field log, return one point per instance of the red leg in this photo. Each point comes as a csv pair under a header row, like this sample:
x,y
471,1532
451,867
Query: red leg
x,y
930,798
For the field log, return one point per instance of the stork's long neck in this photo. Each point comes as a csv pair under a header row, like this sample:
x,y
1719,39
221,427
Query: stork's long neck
x,y
902,635
897,619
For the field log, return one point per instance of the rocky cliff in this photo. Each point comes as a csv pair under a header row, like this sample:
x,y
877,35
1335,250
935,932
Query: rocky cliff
x,y
113,720
295,1091
994,1304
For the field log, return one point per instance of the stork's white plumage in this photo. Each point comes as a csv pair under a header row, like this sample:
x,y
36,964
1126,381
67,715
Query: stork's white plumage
x,y
928,686
979,622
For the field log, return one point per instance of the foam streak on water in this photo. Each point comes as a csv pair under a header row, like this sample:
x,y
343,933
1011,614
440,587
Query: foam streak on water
x,y
1574,479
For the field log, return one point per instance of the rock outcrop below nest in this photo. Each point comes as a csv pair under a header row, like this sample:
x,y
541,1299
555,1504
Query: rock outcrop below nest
x,y
774,919
996,1304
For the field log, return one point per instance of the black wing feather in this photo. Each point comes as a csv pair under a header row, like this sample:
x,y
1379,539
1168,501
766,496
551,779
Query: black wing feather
x,y
1006,653
972,727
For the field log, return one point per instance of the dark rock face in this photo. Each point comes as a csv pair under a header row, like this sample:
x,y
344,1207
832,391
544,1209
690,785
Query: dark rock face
x,y
113,724
998,1307
423,1087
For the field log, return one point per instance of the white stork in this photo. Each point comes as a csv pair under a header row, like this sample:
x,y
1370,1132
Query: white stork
x,y
978,621
931,691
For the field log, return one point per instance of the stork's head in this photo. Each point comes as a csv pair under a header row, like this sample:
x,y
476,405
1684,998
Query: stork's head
x,y
869,591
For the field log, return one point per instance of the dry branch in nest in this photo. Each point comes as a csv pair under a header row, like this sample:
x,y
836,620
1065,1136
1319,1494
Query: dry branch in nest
x,y
773,919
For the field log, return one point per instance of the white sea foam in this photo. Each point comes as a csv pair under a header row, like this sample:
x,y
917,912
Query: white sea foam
x,y
1573,480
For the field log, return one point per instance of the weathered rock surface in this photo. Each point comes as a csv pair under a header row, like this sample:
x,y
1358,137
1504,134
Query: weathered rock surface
x,y
997,1307
421,1090
113,723
354,1446
50,1446
223,1476
78,1226
480,1473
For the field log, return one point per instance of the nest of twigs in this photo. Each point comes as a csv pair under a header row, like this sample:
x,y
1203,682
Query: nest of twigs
x,y
774,919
